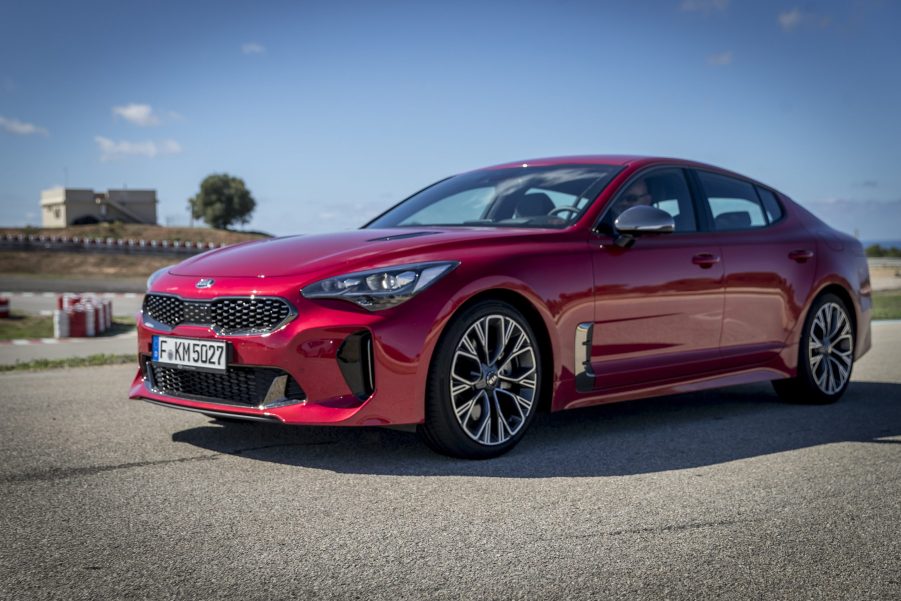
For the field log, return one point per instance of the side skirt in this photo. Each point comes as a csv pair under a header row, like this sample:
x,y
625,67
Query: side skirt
x,y
747,376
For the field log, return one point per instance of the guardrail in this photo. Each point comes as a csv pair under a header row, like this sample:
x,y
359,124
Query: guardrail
x,y
113,245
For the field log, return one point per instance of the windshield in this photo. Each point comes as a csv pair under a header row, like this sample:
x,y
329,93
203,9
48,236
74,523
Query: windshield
x,y
544,197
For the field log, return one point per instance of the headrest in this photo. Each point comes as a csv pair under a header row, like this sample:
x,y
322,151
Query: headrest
x,y
535,204
733,220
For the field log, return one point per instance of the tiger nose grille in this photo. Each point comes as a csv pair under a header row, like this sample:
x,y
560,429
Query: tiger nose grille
x,y
237,386
238,315
249,314
167,310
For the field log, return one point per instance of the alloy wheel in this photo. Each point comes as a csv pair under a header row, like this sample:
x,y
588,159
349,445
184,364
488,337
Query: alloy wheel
x,y
830,348
493,380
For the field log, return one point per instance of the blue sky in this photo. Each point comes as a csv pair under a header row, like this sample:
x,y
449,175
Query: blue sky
x,y
332,111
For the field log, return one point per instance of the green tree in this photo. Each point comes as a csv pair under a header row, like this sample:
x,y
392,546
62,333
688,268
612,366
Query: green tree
x,y
222,201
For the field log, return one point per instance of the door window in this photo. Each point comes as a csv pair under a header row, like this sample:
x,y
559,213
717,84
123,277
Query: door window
x,y
734,204
664,189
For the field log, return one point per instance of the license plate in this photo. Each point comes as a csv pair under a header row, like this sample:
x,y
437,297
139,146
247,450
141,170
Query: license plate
x,y
188,353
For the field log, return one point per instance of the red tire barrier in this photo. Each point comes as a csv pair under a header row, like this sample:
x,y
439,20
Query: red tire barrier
x,y
81,315
4,307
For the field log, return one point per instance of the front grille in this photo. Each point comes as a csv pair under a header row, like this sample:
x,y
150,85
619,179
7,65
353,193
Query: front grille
x,y
229,315
239,385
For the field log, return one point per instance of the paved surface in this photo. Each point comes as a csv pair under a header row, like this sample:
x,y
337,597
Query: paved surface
x,y
14,352
127,304
38,302
726,494
22,282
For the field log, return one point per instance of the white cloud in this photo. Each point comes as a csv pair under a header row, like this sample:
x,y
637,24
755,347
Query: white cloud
x,y
794,18
789,19
720,59
111,149
139,114
704,6
253,48
20,128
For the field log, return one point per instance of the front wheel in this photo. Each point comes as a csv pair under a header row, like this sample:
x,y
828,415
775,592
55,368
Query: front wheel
x,y
483,383
825,356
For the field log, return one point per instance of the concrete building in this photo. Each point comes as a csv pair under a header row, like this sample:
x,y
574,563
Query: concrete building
x,y
61,207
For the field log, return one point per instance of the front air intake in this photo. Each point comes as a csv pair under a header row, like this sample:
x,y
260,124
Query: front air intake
x,y
356,364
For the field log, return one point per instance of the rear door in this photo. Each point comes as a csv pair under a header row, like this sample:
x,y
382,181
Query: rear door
x,y
769,265
658,304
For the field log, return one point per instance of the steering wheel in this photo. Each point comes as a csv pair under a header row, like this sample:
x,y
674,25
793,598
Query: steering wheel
x,y
572,210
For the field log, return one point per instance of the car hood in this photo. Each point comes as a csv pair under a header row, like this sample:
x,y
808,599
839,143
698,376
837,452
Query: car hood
x,y
339,252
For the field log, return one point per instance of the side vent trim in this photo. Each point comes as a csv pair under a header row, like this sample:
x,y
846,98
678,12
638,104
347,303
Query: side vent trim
x,y
582,357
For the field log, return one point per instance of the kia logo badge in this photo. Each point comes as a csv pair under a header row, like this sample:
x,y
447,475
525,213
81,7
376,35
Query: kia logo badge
x,y
204,283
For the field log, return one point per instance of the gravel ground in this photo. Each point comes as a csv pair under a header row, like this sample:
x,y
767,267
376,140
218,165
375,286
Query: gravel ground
x,y
723,494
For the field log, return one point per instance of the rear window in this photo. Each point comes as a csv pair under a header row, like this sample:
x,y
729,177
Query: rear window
x,y
770,204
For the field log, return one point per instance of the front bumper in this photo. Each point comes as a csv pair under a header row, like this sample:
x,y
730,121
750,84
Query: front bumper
x,y
343,365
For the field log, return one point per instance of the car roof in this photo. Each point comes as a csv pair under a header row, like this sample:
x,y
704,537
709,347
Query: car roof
x,y
620,160
595,159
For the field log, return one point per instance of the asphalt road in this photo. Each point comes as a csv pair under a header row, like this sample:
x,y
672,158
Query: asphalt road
x,y
38,302
101,283
725,494
118,344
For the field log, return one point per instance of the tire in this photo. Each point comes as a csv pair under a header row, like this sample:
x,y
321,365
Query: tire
x,y
825,355
483,384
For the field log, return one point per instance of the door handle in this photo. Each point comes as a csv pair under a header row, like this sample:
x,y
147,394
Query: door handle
x,y
705,260
801,256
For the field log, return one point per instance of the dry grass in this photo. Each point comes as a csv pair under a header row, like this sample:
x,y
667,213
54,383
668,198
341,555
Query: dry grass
x,y
137,232
41,263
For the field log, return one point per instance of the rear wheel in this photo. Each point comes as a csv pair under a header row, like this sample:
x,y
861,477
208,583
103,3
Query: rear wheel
x,y
483,383
825,356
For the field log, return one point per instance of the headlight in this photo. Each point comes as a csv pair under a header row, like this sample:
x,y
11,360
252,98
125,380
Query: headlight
x,y
156,274
381,288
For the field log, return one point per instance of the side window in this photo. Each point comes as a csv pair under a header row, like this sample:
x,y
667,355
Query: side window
x,y
734,204
665,189
772,206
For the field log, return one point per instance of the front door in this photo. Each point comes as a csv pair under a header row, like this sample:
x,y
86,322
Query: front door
x,y
659,303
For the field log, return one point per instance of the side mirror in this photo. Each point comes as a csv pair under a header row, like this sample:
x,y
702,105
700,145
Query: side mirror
x,y
636,221
644,220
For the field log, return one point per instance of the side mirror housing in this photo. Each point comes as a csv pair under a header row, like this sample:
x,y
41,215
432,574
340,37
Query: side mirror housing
x,y
644,220
636,221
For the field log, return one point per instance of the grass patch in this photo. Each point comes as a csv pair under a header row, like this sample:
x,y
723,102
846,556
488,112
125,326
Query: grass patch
x,y
81,265
89,361
23,325
26,325
887,304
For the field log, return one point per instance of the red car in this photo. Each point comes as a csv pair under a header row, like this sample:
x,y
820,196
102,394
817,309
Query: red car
x,y
546,284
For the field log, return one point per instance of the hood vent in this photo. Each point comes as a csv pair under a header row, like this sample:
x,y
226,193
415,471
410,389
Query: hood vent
x,y
402,236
